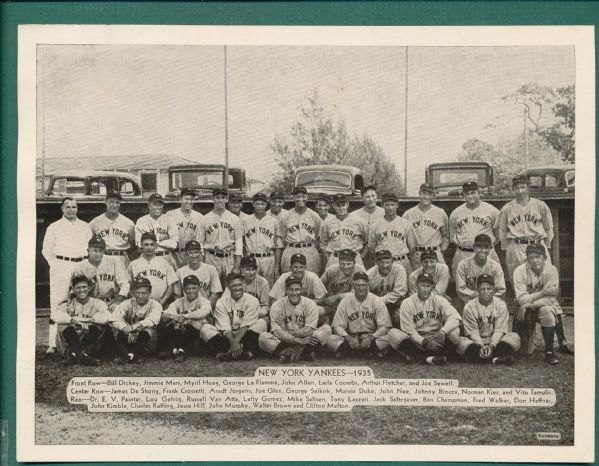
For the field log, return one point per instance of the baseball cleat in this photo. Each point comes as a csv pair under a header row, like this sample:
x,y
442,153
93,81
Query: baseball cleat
x,y
51,350
551,358
246,356
87,360
224,356
120,360
180,358
503,360
437,360
565,349
311,356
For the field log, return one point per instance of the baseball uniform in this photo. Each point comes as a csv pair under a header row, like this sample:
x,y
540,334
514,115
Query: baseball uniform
x,y
312,286
286,318
117,233
428,226
207,275
355,317
157,270
370,218
163,229
196,311
395,235
468,272
277,216
337,234
520,225
392,287
259,289
129,312
107,280
465,224
440,275
187,226
526,283
299,234
260,237
336,282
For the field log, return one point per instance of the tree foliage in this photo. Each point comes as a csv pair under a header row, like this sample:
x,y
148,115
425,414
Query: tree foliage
x,y
317,139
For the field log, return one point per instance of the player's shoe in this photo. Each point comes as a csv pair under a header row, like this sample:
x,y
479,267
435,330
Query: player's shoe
x,y
70,359
565,349
87,360
311,356
51,350
166,355
437,360
246,356
404,357
503,360
551,358
120,360
224,356
180,357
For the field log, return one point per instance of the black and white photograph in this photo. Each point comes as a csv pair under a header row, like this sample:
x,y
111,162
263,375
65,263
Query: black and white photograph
x,y
316,243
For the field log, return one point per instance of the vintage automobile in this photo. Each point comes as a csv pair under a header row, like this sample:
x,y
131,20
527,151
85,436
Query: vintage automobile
x,y
330,179
92,184
551,179
447,178
203,179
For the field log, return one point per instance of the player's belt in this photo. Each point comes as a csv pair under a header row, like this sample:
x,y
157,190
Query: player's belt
x,y
300,245
462,248
219,253
115,253
258,254
526,241
71,259
426,248
162,253
400,258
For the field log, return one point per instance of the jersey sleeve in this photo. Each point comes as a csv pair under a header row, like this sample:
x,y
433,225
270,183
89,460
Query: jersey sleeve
x,y
502,226
383,320
340,321
221,316
461,283
282,228
311,314
452,227
471,329
318,288
326,278
174,307
400,286
442,280
122,278
202,311
520,288
102,315
138,232
276,316
171,276
450,314
412,282
252,311
238,236
61,315
263,298
278,289
501,324
499,279
323,235
215,285
406,320
118,315
153,317
547,220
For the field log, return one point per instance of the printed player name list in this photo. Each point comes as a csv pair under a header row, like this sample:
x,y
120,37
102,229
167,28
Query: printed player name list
x,y
290,389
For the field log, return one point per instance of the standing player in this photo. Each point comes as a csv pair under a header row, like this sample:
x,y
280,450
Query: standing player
x,y
471,268
370,214
117,231
470,219
343,231
277,201
65,244
298,230
294,320
261,240
183,319
221,237
388,280
430,326
523,221
210,287
237,325
235,204
323,206
486,327
393,233
155,269
187,221
431,226
161,226
431,266
361,323
135,323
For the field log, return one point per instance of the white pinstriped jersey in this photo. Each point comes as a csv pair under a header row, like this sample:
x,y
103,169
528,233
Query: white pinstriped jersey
x,y
481,322
527,282
157,270
335,281
468,272
260,235
312,286
207,275
285,316
390,287
162,227
299,228
465,223
368,316
396,235
426,317
222,231
440,275
186,225
427,224
531,221
118,234
108,278
232,315
349,233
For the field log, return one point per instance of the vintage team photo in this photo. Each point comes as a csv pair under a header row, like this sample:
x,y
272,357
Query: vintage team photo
x,y
205,210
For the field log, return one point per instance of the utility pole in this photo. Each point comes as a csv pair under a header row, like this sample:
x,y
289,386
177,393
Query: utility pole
x,y
40,108
405,147
525,115
226,180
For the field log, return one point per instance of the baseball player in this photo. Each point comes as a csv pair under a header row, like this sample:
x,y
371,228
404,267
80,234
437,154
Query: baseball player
x,y
108,279
523,221
277,201
117,231
184,318
298,230
471,268
486,317
338,279
470,219
312,286
323,206
430,265
187,221
81,322
135,323
393,233
64,245
430,325
210,287
536,286
260,238
221,237
235,204
343,231
295,331
431,226
370,213
237,325
156,269
361,323
387,279
161,226
255,285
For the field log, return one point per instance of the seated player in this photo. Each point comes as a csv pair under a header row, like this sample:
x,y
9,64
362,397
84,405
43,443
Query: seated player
x,y
338,279
430,265
430,325
536,286
182,321
81,321
234,335
256,285
485,322
361,322
388,280
294,319
135,323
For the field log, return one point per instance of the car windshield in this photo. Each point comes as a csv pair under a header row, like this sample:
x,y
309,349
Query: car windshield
x,y
196,179
570,178
458,176
324,179
69,186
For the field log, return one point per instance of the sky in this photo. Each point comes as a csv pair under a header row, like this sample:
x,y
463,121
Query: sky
x,y
103,100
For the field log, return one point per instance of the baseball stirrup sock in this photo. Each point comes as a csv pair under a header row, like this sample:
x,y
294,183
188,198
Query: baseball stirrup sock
x,y
548,335
52,334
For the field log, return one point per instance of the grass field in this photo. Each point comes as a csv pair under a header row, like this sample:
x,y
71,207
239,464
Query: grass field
x,y
58,422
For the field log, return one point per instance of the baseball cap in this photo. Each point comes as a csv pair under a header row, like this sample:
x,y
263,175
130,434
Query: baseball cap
x,y
389,197
193,245
191,279
79,279
147,235
469,185
141,282
339,198
485,278
96,242
290,280
155,197
536,248
323,197
359,275
260,197
188,192
233,276
248,261
483,240
347,254
236,197
428,254
276,195
425,277
114,195
519,179
219,191
299,189
298,258
427,188
368,187
383,254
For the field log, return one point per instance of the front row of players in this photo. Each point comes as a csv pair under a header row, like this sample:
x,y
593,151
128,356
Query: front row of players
x,y
425,327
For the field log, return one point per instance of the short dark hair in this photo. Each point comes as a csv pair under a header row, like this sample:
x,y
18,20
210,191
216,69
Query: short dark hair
x,y
67,198
368,187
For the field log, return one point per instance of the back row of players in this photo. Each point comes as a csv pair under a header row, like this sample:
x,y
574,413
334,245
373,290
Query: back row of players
x,y
272,248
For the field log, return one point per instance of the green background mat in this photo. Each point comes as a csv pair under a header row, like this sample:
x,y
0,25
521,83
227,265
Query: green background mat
x,y
306,13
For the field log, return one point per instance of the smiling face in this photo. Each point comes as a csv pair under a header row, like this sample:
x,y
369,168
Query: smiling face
x,y
536,261
298,270
294,293
390,207
156,208
485,292
113,205
260,207
142,295
425,198
148,247
95,255
322,208
429,265
249,273
276,205
69,209
521,190
81,291
191,291
300,200
235,207
341,208
220,200
193,257
236,288
369,198
187,202
347,266
360,289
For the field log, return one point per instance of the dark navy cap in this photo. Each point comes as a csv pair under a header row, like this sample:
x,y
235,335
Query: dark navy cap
x,y
339,198
141,282
188,192
217,191
276,195
483,240
426,188
470,185
347,254
425,277
324,197
536,248
359,275
389,197
299,189
520,179
260,197
155,197
485,278
96,242
290,280
248,261
298,258
147,235
233,276
235,197
191,279
383,254
193,245
428,254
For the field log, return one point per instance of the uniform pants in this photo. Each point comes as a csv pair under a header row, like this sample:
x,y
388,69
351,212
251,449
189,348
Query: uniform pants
x,y
223,265
415,258
335,341
268,342
406,265
122,259
266,268
332,260
311,254
510,339
461,255
181,336
139,346
217,341
545,313
76,341
400,341
515,255
60,284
